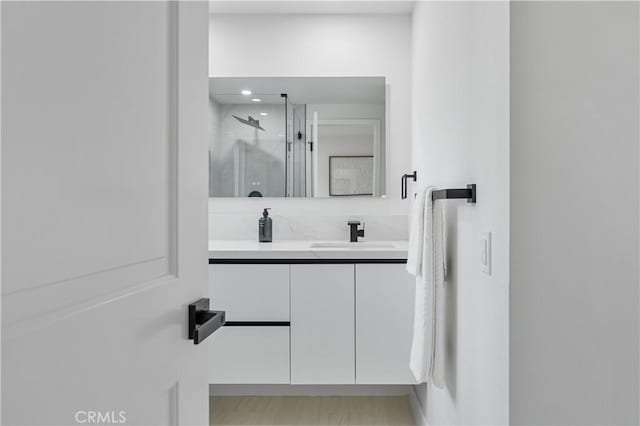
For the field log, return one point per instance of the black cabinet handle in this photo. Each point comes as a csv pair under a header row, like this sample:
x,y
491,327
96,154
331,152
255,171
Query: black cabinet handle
x,y
403,182
257,324
202,321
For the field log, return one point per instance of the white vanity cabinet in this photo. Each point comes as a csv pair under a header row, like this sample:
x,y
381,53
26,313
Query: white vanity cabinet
x,y
322,328
312,322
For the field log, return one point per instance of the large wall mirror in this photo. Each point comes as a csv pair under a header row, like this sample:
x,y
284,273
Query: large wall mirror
x,y
297,137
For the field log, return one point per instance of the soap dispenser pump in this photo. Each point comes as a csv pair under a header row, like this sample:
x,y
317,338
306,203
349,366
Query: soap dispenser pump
x,y
265,234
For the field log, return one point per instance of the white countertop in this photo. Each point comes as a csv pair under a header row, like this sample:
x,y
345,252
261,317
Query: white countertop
x,y
247,249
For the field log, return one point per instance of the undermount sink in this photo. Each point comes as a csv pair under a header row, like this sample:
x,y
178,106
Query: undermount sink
x,y
354,246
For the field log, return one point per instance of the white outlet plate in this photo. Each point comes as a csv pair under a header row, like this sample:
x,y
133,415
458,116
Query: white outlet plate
x,y
485,253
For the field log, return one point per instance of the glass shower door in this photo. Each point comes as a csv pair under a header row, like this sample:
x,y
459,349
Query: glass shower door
x,y
296,150
248,150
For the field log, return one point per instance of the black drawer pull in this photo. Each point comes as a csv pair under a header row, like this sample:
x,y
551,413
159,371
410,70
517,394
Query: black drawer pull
x,y
202,321
257,324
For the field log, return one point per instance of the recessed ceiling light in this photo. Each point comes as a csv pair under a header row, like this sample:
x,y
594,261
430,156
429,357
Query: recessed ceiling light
x,y
246,92
263,113
256,99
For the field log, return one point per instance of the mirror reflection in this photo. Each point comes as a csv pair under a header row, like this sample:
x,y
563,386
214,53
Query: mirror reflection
x,y
297,136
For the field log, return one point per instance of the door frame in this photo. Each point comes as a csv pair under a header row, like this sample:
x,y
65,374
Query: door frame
x,y
375,126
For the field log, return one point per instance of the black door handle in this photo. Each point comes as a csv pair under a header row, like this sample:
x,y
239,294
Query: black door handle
x,y
202,321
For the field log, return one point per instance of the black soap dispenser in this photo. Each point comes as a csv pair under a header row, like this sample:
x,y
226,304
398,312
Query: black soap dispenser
x,y
265,234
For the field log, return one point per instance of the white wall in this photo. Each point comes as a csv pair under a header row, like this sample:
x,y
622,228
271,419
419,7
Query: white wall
x,y
304,219
323,45
460,136
574,213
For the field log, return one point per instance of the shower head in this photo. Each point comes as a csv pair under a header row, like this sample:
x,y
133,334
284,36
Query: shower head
x,y
251,122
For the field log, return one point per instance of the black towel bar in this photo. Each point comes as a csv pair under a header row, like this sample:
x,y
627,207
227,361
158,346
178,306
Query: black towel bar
x,y
469,193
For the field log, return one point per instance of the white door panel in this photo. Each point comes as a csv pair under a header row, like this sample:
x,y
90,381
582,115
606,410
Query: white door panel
x,y
104,196
84,112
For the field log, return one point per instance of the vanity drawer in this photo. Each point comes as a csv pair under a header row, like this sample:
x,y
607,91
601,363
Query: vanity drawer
x,y
249,355
250,292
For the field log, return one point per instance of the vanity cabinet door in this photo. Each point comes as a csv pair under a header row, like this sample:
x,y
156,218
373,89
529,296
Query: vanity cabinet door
x,y
254,355
250,292
322,329
384,323
250,353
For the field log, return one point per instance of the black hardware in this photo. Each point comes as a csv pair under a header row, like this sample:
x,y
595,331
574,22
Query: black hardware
x,y
257,324
403,182
202,321
354,232
253,261
449,194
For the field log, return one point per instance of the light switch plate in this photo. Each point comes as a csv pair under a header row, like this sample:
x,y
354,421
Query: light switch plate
x,y
485,253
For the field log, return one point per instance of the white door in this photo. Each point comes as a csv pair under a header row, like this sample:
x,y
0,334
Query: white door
x,y
104,211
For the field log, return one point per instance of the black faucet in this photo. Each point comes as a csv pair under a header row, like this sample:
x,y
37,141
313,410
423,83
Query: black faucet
x,y
355,232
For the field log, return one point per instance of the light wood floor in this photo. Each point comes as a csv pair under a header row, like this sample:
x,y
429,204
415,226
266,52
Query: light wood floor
x,y
310,410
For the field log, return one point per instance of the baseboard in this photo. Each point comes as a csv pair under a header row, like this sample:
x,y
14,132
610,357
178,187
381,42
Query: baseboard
x,y
310,390
416,408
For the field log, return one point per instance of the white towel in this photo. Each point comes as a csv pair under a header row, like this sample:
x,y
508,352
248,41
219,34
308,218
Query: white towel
x,y
440,273
416,237
427,347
